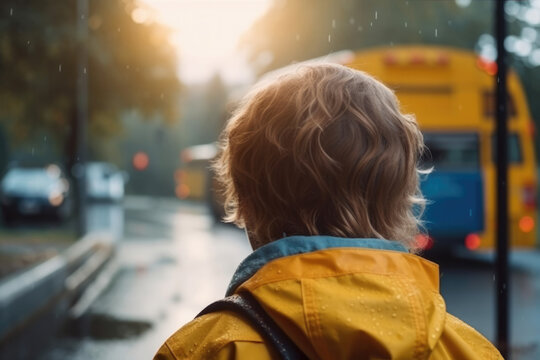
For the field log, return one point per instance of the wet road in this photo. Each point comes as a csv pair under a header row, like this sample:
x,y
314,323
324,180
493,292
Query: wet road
x,y
173,260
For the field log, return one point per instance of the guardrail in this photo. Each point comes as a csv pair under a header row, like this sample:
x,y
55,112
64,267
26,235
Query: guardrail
x,y
35,303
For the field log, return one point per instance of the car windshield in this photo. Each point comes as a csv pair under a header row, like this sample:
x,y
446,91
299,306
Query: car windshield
x,y
29,181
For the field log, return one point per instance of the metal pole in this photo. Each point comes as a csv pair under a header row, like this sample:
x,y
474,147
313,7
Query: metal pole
x,y
501,102
82,112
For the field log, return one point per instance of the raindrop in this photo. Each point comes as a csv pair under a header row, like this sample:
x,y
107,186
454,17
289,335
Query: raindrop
x,y
32,151
11,12
470,212
394,315
436,33
60,68
45,139
359,28
127,67
297,37
398,296
329,38
376,15
420,32
333,23
28,42
406,24
449,22
348,319
351,21
118,29
84,70
371,24
433,336
324,307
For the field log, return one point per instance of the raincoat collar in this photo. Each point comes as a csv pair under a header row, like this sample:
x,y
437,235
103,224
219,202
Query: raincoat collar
x,y
294,245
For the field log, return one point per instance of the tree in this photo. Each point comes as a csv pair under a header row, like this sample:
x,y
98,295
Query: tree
x,y
131,66
295,30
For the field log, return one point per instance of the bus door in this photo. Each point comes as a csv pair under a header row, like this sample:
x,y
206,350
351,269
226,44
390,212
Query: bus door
x,y
455,189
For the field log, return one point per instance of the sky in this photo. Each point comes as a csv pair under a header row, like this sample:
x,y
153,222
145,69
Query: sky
x,y
206,35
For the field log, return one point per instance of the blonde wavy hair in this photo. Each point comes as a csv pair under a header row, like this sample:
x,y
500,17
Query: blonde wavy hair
x,y
322,150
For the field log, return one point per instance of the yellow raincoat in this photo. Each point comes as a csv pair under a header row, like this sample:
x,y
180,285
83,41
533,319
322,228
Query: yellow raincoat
x,y
336,299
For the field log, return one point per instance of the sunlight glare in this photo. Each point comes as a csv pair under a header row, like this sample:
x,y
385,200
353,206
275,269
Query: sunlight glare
x,y
206,34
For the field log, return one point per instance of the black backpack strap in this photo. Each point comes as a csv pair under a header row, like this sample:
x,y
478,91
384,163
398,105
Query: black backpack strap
x,y
245,305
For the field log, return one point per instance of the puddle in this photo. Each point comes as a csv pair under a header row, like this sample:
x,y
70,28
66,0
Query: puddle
x,y
105,327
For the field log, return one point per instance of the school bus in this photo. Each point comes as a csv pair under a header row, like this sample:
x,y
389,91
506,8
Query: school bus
x,y
450,91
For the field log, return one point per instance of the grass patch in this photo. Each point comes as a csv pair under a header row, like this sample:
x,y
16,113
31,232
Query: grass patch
x,y
23,247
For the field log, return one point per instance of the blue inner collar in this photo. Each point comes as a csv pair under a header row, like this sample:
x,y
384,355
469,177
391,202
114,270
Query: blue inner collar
x,y
293,245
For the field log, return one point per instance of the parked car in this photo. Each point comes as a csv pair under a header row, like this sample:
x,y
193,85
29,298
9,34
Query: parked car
x,y
35,192
104,182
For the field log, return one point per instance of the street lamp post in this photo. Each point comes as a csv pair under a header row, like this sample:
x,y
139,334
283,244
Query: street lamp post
x,y
501,103
82,112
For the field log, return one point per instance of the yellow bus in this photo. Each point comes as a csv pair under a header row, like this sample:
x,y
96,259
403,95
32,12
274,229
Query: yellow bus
x,y
451,93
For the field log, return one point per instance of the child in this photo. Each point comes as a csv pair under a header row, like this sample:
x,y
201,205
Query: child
x,y
320,167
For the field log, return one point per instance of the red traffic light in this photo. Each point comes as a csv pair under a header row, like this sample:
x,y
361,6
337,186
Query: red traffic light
x,y
140,161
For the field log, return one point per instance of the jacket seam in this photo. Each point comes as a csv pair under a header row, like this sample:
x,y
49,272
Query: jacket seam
x,y
170,351
313,322
412,300
253,285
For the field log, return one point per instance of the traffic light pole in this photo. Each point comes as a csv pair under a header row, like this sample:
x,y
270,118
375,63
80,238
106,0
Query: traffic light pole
x,y
502,291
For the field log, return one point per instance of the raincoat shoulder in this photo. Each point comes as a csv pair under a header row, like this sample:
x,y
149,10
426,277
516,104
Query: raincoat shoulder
x,y
220,335
337,302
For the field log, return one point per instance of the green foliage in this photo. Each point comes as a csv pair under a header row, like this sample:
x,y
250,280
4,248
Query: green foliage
x,y
130,66
295,30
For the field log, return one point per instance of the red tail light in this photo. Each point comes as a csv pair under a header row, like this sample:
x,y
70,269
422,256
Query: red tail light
x,y
526,224
488,66
423,241
472,241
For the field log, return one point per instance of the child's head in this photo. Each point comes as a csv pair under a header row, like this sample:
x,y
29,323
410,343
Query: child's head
x,y
322,150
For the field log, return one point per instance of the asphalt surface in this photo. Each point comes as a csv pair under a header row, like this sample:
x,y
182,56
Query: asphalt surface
x,y
173,260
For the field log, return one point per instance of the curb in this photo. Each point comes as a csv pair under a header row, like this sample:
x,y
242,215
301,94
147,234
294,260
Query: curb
x,y
35,303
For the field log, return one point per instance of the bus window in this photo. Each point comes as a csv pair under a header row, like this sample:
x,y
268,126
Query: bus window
x,y
514,149
451,151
